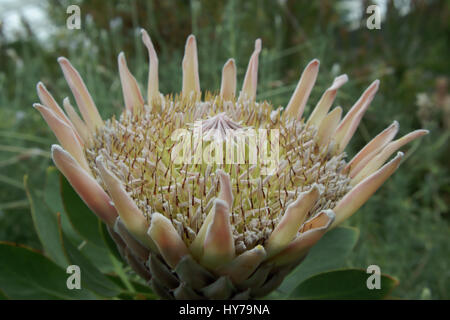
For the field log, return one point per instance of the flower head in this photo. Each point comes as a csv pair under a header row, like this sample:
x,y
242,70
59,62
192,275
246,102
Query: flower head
x,y
217,195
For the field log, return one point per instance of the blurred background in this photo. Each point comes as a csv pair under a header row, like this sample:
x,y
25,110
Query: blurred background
x,y
404,227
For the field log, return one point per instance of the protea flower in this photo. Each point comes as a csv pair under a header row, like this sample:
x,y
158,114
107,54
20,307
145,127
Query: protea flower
x,y
216,230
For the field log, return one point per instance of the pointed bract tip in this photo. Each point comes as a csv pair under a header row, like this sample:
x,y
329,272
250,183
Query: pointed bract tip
x,y
63,60
342,77
56,148
229,64
314,62
371,89
146,38
321,221
314,190
258,44
375,84
397,159
338,82
190,39
330,214
156,218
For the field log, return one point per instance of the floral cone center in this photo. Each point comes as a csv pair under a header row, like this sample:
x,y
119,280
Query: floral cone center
x,y
138,147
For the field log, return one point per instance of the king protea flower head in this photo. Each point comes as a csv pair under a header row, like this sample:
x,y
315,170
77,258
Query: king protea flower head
x,y
216,229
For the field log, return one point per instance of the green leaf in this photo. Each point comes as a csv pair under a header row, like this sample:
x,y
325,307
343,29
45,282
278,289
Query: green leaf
x,y
109,242
83,220
99,256
27,274
87,226
140,291
52,197
328,254
343,284
46,225
91,277
52,193
2,296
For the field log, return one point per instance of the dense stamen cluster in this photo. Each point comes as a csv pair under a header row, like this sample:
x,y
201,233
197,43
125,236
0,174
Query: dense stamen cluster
x,y
137,149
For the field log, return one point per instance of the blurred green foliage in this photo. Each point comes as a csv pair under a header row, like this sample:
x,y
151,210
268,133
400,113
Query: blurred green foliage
x,y
404,227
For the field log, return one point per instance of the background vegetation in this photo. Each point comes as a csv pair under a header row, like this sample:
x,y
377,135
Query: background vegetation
x,y
404,227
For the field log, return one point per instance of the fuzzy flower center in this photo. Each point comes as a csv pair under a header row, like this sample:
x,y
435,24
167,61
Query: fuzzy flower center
x,y
139,149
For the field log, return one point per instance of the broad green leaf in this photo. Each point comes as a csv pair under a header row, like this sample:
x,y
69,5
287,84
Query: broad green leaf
x,y
46,225
82,218
99,256
27,274
52,193
2,296
343,284
109,242
140,291
91,277
86,224
328,254
52,197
